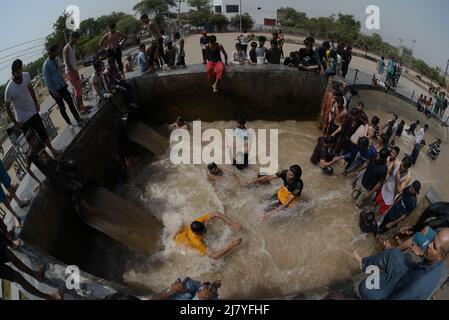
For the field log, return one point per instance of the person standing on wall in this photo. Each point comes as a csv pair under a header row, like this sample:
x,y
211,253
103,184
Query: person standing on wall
x,y
215,67
72,73
347,58
113,41
20,94
58,87
244,40
204,42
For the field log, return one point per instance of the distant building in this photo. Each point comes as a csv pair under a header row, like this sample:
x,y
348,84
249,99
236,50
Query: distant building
x,y
260,13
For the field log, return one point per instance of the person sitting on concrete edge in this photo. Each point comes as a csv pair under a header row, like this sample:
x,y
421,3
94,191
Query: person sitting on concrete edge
x,y
5,180
115,83
288,195
403,207
435,216
274,53
188,289
402,279
238,56
192,236
11,275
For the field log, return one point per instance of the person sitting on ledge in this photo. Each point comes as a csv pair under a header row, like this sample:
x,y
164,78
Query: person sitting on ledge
x,y
435,216
238,56
292,60
288,195
188,289
252,55
180,124
307,59
192,236
274,53
402,279
115,82
9,274
171,53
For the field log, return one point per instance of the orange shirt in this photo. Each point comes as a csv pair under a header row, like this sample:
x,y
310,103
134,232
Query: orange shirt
x,y
189,239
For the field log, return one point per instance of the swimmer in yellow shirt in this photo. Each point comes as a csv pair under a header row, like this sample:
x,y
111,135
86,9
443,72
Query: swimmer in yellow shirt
x,y
192,236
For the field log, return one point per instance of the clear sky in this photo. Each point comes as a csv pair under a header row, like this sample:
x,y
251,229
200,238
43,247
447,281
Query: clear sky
x,y
426,22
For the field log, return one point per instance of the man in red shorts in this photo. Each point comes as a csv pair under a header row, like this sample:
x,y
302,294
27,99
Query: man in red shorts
x,y
72,73
215,66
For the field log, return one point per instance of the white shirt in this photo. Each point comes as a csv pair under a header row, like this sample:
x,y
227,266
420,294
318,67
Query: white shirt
x,y
420,136
238,57
72,59
19,96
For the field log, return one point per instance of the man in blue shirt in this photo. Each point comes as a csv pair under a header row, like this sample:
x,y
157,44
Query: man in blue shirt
x,y
359,155
58,87
402,279
142,59
402,209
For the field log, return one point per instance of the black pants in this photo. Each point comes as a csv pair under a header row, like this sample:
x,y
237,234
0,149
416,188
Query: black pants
x,y
118,58
181,61
35,122
344,69
128,91
67,97
440,214
245,49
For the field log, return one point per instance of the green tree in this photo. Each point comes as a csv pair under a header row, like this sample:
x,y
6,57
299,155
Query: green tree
x,y
247,21
129,25
289,17
200,4
345,29
92,46
321,26
158,8
220,21
60,33
198,18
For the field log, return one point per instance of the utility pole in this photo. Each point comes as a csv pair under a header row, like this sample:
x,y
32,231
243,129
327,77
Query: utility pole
x,y
179,10
445,74
412,53
241,29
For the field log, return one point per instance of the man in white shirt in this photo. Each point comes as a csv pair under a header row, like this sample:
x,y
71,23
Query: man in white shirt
x,y
20,94
421,134
72,72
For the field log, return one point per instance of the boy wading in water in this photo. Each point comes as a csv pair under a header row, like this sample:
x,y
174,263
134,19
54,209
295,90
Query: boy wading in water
x,y
215,67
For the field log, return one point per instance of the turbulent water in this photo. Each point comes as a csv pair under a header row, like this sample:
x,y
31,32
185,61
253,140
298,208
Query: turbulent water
x,y
307,247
